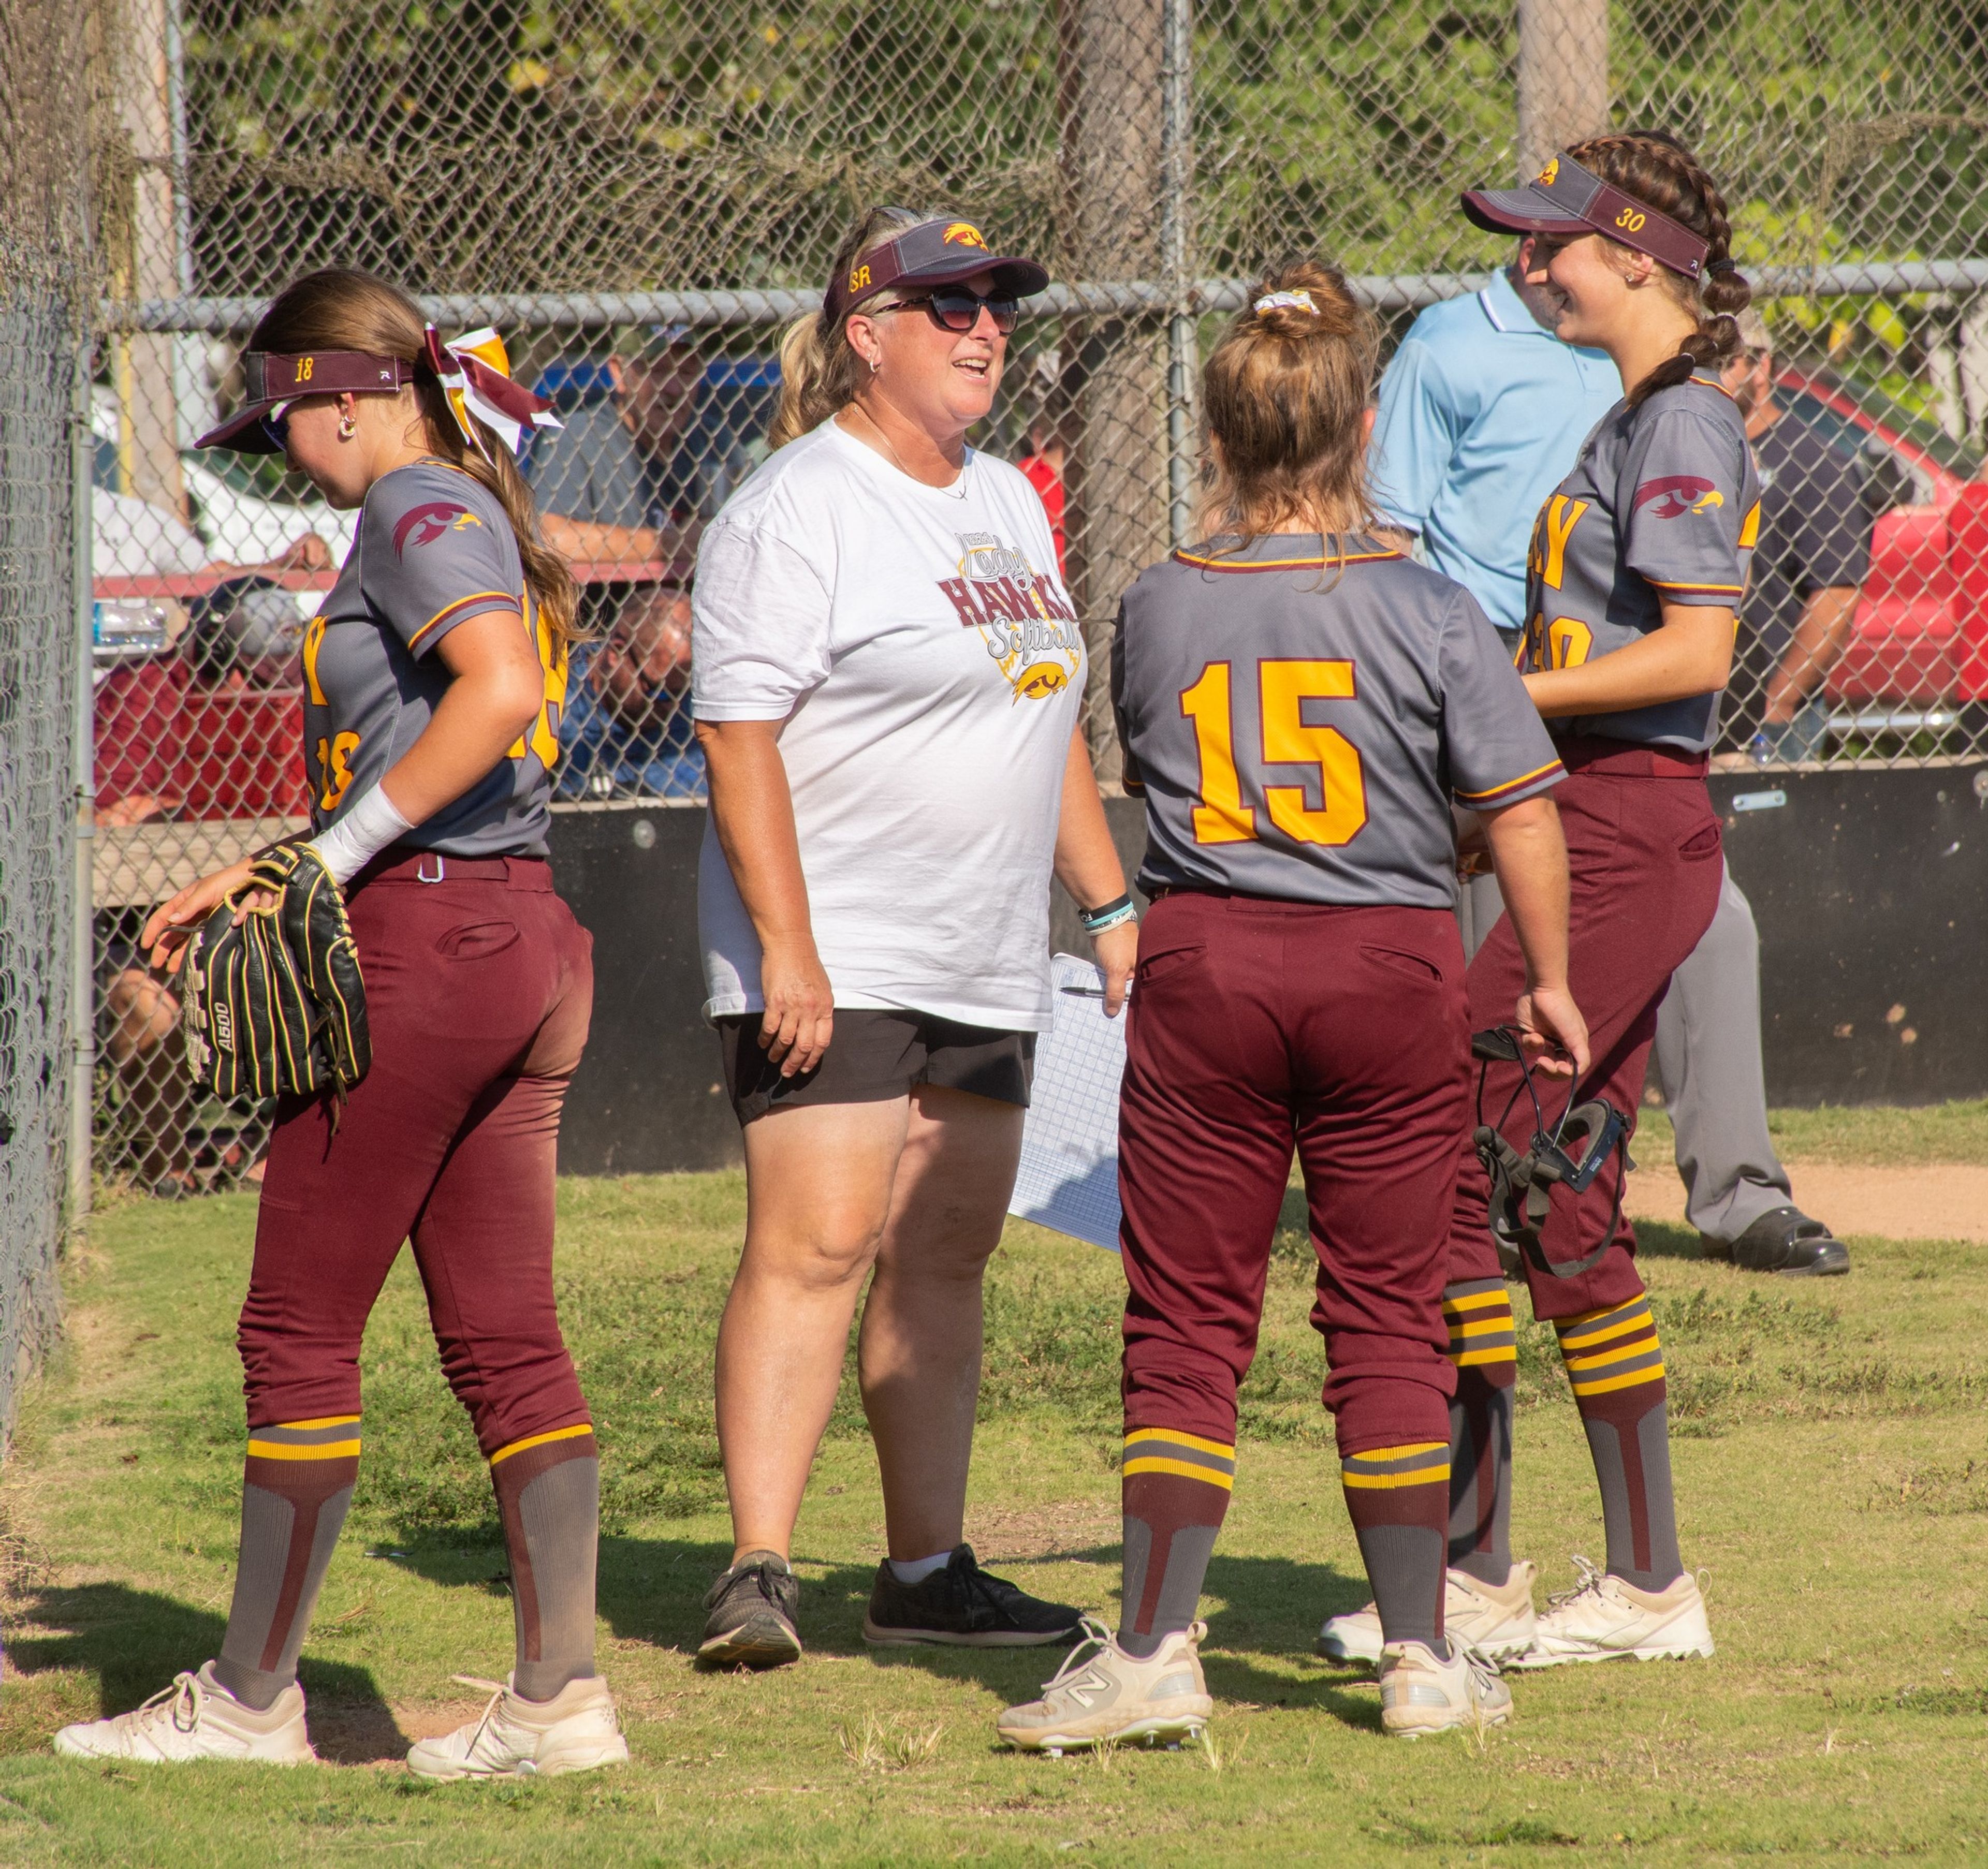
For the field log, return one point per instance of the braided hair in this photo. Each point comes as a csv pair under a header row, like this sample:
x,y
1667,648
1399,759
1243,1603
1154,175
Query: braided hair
x,y
1655,167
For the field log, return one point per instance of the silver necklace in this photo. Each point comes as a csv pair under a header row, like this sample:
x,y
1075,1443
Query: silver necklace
x,y
956,491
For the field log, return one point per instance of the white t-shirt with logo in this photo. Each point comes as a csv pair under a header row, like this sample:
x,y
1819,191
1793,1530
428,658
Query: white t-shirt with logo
x,y
929,665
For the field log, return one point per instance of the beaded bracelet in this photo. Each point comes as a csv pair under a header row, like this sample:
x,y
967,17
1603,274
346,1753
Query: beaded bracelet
x,y
1108,915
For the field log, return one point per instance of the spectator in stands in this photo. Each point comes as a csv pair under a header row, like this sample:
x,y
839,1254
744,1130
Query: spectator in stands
x,y
628,732
1044,465
131,538
606,482
1482,411
1813,554
240,763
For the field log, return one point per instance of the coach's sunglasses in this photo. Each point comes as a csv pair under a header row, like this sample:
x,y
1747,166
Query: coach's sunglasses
x,y
953,308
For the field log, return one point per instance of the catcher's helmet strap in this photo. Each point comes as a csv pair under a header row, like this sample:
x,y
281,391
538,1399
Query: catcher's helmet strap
x,y
1583,1142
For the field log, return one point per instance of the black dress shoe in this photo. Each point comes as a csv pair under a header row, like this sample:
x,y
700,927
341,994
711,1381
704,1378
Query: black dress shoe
x,y
962,1605
1784,1240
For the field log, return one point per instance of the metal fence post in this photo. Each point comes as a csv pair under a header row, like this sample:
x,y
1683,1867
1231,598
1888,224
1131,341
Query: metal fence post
x,y
82,1002
1563,76
1176,204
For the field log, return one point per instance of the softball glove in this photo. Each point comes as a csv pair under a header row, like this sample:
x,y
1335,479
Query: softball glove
x,y
276,1006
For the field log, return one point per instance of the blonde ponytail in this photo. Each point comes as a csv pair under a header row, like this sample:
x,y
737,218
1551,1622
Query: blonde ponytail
x,y
819,373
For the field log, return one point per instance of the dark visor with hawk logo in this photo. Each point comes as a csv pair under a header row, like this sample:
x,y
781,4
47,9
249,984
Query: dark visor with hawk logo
x,y
1565,199
933,253
272,380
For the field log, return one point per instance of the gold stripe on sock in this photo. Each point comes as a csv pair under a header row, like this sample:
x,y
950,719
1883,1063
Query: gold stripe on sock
x,y
1482,1326
1615,1353
1501,1352
1150,1463
1422,1476
1432,1473
323,1421
552,1434
1586,1336
1601,1385
1479,1301
1173,1434
294,1450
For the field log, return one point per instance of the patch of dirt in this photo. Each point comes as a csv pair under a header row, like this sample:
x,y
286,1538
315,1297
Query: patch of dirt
x,y
1941,1201
1001,1537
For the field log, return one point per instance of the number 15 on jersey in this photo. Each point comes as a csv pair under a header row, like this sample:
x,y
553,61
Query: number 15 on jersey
x,y
1283,687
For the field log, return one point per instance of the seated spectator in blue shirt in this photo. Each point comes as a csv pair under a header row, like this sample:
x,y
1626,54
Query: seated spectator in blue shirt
x,y
628,732
1482,412
609,484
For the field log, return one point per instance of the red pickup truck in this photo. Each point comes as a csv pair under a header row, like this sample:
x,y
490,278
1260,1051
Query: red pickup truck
x,y
1918,649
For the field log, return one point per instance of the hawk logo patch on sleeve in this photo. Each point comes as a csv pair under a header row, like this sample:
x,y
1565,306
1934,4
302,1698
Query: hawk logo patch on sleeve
x,y
424,525
1676,495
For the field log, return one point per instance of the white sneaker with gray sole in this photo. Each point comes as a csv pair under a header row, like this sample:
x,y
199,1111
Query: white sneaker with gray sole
x,y
1604,1619
1420,1695
196,1717
575,1730
1103,1696
1497,1620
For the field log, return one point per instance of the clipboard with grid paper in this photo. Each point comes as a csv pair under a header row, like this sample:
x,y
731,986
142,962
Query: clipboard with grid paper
x,y
1068,1179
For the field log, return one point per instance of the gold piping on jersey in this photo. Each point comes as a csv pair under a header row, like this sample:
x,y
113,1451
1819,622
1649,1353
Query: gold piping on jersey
x,y
1511,785
1709,590
1317,563
449,610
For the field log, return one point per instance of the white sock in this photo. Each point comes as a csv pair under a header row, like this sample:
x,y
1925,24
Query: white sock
x,y
916,1569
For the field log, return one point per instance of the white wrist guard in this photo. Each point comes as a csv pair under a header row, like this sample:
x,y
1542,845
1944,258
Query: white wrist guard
x,y
374,822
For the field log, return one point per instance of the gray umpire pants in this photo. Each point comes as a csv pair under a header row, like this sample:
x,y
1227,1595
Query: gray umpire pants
x,y
1708,1064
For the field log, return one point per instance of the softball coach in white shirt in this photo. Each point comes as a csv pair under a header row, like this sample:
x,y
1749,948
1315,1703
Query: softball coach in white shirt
x,y
888,679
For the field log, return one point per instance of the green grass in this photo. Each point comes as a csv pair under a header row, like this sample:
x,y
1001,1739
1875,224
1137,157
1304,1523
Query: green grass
x,y
1832,1462
1864,1134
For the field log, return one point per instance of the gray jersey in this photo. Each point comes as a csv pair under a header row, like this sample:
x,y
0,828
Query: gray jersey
x,y
1299,725
1663,505
433,548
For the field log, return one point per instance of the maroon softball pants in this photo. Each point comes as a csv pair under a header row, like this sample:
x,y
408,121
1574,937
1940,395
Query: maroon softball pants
x,y
478,991
1258,1027
1644,850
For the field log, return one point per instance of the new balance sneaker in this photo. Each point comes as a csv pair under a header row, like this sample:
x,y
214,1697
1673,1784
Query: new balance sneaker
x,y
1604,1619
196,1717
1420,1695
962,1605
1496,1620
1101,1695
754,1608
575,1730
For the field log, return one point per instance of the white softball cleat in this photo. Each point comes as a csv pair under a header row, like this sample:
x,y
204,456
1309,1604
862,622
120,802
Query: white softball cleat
x,y
196,1717
1496,1620
1420,1695
575,1730
1101,1695
1604,1619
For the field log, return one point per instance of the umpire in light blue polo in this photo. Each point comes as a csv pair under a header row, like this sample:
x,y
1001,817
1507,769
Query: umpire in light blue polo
x,y
1482,412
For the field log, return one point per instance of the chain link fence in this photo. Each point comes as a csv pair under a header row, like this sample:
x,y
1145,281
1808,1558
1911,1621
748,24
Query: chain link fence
x,y
44,323
640,193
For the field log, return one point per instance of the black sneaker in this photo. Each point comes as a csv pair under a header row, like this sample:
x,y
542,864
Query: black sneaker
x,y
754,1607
963,1604
1785,1240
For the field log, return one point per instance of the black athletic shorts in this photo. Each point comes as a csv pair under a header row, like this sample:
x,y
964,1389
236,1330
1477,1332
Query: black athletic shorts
x,y
876,1055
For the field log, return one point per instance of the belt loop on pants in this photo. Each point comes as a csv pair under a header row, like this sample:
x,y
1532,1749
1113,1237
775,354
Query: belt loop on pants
x,y
422,868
